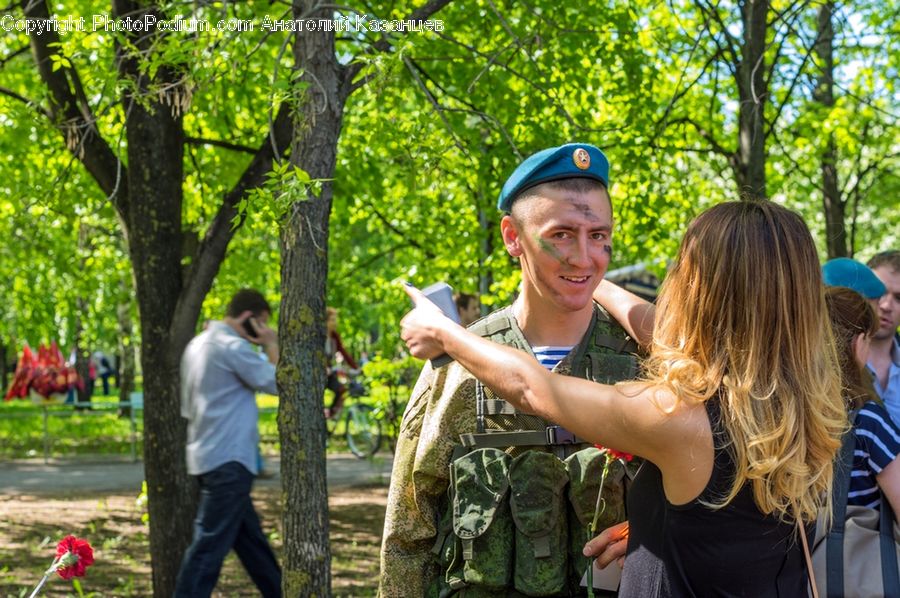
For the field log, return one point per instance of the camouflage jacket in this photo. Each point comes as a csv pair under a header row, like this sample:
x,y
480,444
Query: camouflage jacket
x,y
442,407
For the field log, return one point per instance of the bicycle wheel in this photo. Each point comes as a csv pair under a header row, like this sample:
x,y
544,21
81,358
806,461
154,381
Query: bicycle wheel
x,y
363,430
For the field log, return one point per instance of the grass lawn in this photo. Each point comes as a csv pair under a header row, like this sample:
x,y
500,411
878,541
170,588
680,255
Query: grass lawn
x,y
59,431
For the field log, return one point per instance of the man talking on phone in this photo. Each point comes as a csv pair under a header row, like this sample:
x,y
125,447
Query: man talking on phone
x,y
463,451
220,375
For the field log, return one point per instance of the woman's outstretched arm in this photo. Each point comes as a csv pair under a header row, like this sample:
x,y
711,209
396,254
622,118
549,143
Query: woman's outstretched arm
x,y
634,313
633,418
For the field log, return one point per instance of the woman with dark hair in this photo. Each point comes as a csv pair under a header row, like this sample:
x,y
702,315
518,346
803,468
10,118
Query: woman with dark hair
x,y
738,417
875,463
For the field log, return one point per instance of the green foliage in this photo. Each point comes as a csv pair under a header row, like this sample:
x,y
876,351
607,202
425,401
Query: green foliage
x,y
285,185
426,143
391,373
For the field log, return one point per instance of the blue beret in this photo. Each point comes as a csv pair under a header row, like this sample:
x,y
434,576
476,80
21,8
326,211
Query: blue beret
x,y
844,272
573,160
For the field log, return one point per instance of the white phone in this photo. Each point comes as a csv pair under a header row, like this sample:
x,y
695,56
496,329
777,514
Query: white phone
x,y
441,294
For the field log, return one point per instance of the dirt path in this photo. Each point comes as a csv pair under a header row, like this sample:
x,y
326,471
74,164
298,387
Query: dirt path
x,y
31,525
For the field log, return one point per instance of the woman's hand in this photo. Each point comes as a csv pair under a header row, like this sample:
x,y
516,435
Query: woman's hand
x,y
421,328
609,545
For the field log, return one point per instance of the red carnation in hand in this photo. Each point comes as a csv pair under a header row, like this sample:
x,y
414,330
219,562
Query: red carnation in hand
x,y
74,556
614,454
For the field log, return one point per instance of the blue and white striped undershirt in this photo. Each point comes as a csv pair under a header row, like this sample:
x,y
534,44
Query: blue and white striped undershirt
x,y
550,355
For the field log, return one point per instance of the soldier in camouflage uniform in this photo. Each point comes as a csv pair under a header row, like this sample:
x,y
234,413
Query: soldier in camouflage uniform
x,y
531,487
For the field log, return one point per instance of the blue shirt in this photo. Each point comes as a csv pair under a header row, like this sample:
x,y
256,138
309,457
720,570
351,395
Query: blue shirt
x,y
891,393
220,374
877,445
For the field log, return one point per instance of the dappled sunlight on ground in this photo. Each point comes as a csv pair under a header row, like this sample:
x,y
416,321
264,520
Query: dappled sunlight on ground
x,y
30,526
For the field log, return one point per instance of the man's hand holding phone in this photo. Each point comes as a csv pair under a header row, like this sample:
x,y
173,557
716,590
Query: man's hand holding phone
x,y
259,333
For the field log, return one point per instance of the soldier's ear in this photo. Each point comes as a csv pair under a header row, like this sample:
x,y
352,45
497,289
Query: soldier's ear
x,y
511,236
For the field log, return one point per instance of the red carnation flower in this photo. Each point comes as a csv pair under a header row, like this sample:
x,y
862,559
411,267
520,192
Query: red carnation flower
x,y
74,556
614,454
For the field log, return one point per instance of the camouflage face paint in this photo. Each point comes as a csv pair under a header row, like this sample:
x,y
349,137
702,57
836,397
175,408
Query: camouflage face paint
x,y
586,211
548,248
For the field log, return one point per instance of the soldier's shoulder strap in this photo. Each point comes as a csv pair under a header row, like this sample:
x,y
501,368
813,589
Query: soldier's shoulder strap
x,y
499,326
607,354
608,334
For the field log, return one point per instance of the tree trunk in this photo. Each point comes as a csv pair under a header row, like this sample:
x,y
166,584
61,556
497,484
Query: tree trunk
x,y
832,203
145,191
82,352
304,270
749,164
82,355
125,354
4,365
155,175
155,136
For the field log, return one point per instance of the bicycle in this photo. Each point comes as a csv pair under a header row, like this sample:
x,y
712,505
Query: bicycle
x,y
362,425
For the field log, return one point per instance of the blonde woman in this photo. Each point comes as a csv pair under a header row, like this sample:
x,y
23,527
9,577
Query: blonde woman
x,y
739,415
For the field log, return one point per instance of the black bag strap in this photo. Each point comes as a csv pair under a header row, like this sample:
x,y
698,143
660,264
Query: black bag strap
x,y
834,547
889,571
834,550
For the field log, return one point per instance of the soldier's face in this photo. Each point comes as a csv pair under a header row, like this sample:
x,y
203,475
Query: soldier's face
x,y
563,241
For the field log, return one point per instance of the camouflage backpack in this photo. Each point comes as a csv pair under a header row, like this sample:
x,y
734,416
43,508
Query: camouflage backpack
x,y
522,491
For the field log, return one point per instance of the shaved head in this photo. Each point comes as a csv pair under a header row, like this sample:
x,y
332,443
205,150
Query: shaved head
x,y
522,208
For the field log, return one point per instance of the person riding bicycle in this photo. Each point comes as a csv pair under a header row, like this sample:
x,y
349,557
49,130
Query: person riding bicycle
x,y
333,346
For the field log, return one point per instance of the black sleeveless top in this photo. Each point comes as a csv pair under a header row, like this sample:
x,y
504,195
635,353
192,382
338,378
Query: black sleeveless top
x,y
693,550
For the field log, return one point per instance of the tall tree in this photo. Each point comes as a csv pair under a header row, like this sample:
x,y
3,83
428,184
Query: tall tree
x,y
326,84
144,178
832,202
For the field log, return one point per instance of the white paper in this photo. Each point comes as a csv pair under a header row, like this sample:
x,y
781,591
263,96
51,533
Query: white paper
x,y
604,579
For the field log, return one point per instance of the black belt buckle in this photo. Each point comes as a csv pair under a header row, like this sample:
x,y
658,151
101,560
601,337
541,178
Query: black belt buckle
x,y
559,435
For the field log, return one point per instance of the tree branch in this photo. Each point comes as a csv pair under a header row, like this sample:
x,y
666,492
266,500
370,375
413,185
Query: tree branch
x,y
31,103
705,134
371,260
437,107
472,109
800,71
384,44
6,59
211,251
72,115
714,13
223,144
390,226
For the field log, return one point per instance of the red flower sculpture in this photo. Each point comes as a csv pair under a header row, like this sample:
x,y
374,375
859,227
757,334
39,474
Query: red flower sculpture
x,y
74,556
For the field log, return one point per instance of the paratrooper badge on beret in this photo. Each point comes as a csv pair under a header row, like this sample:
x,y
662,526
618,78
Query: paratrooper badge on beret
x,y
573,160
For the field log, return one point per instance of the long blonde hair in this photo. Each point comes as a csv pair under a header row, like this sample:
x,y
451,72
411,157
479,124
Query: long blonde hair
x,y
742,316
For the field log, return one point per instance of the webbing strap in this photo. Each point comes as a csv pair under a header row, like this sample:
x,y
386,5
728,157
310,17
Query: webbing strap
x,y
890,573
553,435
468,549
834,548
497,407
504,439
